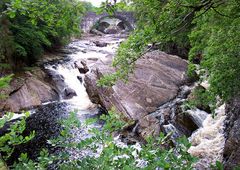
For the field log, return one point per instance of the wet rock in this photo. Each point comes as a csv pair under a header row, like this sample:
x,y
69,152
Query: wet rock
x,y
45,123
83,70
28,90
93,59
163,115
156,80
111,31
80,79
64,51
193,78
57,80
149,126
69,93
84,51
197,116
100,44
232,134
173,130
82,67
185,123
96,32
54,67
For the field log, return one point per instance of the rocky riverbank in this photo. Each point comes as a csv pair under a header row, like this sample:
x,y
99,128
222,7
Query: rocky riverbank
x,y
27,90
156,80
153,97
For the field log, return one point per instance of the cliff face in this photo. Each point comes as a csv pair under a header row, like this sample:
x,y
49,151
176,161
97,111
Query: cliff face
x,y
28,90
232,133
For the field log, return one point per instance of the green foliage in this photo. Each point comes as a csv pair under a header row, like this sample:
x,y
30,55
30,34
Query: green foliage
x,y
127,55
114,6
42,163
4,81
113,121
207,29
67,124
191,71
30,27
113,154
216,38
117,155
218,166
153,26
14,136
202,99
88,6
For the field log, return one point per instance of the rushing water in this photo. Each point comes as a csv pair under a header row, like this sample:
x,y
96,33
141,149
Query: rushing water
x,y
44,120
207,141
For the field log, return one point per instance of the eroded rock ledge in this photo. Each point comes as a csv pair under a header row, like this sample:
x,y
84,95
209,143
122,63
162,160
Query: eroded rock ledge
x,y
27,90
156,80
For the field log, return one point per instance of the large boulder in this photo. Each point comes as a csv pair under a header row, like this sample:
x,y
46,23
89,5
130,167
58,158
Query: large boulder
x,y
232,134
155,81
26,91
100,43
82,66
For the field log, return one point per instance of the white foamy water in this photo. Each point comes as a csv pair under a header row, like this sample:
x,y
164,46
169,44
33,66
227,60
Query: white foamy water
x,y
208,141
81,100
87,51
198,116
68,76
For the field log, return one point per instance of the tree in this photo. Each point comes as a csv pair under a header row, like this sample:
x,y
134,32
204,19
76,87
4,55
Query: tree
x,y
206,29
28,28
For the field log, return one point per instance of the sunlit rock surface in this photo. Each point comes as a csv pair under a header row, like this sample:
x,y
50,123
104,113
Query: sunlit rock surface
x,y
28,90
156,80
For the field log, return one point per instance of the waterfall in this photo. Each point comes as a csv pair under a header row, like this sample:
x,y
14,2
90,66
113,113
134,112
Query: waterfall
x,y
66,71
198,116
208,141
71,77
66,74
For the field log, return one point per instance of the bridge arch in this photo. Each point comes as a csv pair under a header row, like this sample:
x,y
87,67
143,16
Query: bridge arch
x,y
110,24
91,20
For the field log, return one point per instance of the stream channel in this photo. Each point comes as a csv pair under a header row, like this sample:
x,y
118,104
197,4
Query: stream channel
x,y
69,80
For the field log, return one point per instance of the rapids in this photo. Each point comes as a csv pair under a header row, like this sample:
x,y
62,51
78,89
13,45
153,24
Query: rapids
x,y
207,141
44,120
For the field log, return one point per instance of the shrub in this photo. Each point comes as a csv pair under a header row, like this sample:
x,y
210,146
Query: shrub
x,y
13,137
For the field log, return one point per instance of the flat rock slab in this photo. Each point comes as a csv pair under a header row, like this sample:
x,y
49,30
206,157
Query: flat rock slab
x,y
155,81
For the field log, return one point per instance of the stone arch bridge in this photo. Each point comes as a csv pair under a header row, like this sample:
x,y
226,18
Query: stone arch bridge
x,y
91,19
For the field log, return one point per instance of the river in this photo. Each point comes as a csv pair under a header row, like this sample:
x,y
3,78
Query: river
x,y
68,75
44,120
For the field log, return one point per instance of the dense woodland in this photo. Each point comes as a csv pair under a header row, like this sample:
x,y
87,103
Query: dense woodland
x,y
206,33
